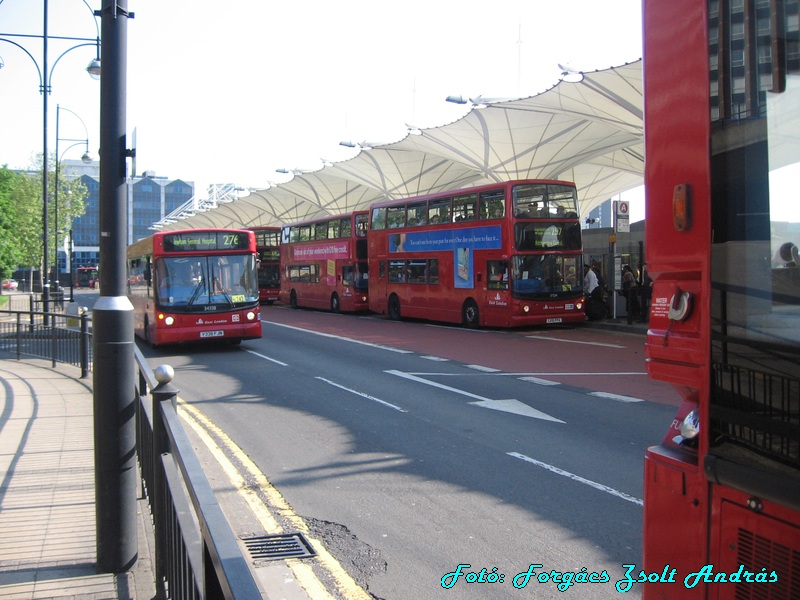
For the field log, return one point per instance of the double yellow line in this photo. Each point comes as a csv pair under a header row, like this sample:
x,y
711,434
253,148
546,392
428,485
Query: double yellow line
x,y
252,485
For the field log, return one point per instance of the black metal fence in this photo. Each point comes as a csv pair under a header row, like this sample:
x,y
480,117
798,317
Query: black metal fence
x,y
197,553
57,336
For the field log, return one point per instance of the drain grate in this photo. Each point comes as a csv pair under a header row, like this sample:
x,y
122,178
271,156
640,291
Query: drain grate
x,y
279,546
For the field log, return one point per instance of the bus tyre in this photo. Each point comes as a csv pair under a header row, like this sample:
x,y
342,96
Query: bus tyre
x,y
394,308
470,314
147,332
293,299
335,303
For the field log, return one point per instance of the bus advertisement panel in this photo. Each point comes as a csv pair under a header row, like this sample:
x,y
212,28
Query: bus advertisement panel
x,y
504,255
269,265
324,263
194,285
722,487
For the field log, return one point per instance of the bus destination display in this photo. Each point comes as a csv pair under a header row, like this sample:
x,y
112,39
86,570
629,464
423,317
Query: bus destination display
x,y
202,241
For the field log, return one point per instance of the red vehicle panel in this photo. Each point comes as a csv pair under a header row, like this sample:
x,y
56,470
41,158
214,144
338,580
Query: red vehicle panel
x,y
722,489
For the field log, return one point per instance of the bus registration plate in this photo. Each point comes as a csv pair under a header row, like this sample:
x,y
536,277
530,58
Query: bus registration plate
x,y
555,320
208,334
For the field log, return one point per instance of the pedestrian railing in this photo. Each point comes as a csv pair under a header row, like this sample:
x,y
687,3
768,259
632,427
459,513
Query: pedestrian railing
x,y
56,336
197,553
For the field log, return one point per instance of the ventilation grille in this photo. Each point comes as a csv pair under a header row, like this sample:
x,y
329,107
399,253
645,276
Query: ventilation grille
x,y
756,552
279,546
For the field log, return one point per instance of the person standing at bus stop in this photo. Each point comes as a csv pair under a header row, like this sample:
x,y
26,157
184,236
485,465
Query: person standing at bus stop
x,y
590,285
629,286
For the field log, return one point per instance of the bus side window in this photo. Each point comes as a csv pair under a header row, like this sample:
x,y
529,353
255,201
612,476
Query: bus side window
x,y
379,218
439,211
396,216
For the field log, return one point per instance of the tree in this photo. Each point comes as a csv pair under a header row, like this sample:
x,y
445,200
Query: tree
x,y
10,246
21,213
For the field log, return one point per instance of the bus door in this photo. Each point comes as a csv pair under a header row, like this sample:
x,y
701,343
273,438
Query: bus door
x,y
495,289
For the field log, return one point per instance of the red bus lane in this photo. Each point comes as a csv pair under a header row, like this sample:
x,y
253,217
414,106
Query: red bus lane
x,y
598,360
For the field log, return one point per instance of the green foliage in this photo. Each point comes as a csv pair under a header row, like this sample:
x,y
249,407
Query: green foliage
x,y
10,247
21,215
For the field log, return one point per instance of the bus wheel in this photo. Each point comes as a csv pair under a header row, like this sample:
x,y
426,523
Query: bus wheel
x,y
293,299
335,303
147,332
470,315
394,308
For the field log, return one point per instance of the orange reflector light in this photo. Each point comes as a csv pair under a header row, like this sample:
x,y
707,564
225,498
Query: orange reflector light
x,y
681,204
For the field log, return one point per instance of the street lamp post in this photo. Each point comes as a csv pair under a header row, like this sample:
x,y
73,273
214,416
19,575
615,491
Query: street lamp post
x,y
86,158
112,316
45,88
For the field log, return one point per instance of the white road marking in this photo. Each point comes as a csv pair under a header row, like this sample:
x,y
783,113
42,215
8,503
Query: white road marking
x,y
482,368
529,374
552,339
277,362
539,381
516,407
435,358
578,478
342,338
363,395
616,397
504,405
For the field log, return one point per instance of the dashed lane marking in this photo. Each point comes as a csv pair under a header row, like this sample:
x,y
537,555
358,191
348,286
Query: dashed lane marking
x,y
363,395
579,479
553,339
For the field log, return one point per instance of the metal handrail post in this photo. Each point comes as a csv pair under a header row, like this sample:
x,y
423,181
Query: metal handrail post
x,y
53,341
163,392
84,344
30,312
19,335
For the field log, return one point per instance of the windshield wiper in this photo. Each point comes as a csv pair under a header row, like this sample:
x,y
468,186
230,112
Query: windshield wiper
x,y
195,293
223,292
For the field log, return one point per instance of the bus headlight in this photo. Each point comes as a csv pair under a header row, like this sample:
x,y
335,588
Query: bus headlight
x,y
169,320
251,315
526,309
579,305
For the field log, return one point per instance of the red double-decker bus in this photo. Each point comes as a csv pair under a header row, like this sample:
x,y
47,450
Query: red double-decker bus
x,y
324,263
722,135
195,285
268,242
502,255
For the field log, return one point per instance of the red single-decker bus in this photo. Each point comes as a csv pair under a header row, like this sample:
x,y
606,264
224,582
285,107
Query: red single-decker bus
x,y
195,285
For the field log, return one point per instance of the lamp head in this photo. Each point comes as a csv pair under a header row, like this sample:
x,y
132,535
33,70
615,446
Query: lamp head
x,y
87,158
94,68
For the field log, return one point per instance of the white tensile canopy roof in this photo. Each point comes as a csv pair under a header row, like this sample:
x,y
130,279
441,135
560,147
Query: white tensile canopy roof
x,y
589,132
